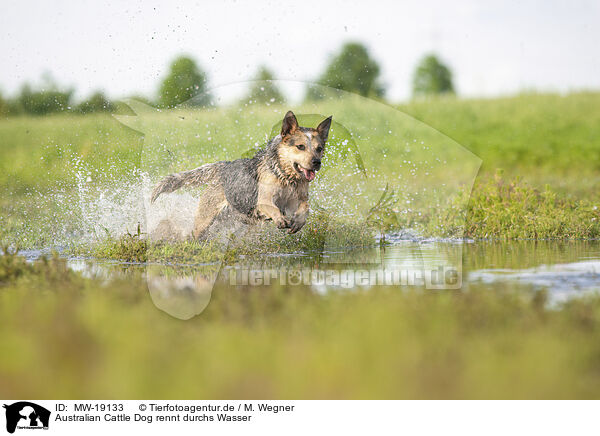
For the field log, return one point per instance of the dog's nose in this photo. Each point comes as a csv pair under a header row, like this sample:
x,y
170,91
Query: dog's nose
x,y
316,163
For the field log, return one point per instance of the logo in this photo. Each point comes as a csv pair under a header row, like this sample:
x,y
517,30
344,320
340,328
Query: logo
x,y
26,415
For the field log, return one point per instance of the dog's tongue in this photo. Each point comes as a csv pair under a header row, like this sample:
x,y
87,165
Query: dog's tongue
x,y
309,174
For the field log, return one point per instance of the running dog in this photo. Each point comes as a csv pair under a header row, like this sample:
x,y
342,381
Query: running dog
x,y
271,186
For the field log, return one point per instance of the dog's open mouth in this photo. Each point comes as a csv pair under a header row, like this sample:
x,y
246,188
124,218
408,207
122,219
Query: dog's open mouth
x,y
308,174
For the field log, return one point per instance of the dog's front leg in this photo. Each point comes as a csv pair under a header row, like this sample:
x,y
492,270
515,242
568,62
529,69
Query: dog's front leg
x,y
272,212
299,218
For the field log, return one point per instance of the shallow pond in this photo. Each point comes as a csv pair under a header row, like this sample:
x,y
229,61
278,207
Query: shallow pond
x,y
565,269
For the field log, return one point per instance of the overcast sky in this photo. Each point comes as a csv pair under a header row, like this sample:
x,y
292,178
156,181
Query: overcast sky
x,y
124,48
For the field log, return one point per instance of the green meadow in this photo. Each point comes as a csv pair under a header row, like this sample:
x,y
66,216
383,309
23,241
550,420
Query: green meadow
x,y
102,337
539,175
544,139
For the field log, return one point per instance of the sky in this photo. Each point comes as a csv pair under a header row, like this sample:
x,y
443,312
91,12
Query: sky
x,y
125,48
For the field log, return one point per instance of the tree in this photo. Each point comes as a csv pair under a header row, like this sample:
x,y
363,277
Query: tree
x,y
352,70
44,101
96,103
4,106
432,77
264,90
184,82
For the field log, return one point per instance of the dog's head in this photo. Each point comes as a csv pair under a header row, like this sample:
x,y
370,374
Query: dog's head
x,y
301,148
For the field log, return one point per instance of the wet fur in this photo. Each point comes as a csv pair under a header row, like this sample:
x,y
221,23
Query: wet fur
x,y
267,187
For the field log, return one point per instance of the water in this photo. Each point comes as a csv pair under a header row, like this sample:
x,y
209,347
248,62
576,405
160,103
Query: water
x,y
564,269
410,174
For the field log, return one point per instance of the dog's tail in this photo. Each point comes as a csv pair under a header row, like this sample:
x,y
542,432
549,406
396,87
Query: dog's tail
x,y
204,174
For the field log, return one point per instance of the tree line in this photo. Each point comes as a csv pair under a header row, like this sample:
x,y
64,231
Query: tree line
x,y
352,69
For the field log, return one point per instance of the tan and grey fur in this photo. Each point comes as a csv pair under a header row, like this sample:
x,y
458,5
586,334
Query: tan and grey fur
x,y
271,186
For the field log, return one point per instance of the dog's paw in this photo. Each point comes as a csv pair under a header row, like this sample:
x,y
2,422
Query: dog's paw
x,y
296,225
282,223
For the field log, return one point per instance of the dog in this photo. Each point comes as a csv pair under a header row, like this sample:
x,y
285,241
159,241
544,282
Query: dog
x,y
271,186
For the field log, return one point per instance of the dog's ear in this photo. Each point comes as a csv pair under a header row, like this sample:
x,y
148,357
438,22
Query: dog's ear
x,y
290,124
323,128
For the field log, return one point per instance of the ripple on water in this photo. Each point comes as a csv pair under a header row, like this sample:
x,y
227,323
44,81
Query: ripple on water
x,y
563,280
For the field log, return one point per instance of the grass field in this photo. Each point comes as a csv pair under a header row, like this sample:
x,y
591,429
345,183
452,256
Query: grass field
x,y
64,177
542,138
547,146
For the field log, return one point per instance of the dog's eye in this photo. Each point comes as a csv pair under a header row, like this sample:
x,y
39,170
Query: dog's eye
x,y
319,149
300,146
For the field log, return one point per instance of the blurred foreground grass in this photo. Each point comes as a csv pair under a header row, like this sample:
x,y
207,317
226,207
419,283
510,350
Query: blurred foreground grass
x,y
65,336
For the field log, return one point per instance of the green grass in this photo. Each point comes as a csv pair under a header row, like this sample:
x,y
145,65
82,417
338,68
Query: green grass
x,y
135,248
543,138
320,229
558,137
502,209
37,150
107,340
